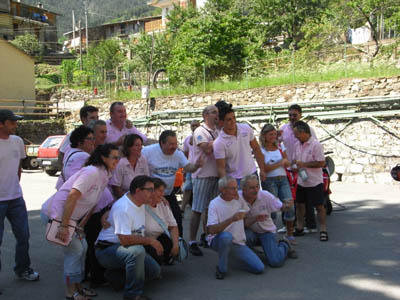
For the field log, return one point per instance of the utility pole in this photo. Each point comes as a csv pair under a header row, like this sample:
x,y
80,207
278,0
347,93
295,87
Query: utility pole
x,y
86,27
73,27
80,45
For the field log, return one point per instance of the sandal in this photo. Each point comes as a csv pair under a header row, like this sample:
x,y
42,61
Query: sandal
x,y
87,293
77,296
323,236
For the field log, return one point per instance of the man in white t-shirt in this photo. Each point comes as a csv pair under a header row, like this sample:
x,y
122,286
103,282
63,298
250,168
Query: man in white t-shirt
x,y
226,229
205,180
12,204
164,160
120,246
234,148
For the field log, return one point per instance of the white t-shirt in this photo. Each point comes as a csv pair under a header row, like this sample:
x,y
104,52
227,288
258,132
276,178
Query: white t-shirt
x,y
125,218
272,157
163,211
221,210
12,150
164,166
203,134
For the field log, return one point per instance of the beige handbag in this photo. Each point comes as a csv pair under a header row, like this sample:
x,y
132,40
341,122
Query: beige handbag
x,y
52,229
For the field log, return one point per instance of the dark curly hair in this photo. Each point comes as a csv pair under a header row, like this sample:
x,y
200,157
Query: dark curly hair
x,y
78,135
96,159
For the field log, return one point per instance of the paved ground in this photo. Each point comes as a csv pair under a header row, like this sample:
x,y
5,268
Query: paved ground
x,y
361,260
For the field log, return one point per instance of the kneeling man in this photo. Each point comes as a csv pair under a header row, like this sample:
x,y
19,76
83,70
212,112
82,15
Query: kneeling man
x,y
226,229
120,246
260,228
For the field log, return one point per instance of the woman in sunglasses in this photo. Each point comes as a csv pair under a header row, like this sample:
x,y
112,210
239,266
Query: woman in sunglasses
x,y
75,200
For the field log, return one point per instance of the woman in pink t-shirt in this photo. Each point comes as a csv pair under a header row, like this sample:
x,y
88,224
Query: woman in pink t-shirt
x,y
276,182
82,145
74,201
130,166
170,242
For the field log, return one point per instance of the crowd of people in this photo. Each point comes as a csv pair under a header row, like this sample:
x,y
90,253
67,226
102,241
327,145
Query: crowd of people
x,y
117,189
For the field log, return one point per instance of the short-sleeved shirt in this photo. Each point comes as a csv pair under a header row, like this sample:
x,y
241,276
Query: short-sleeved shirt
x,y
106,199
312,150
73,161
114,134
90,181
12,150
265,204
220,210
272,157
204,134
187,148
290,141
164,166
125,218
163,211
124,172
66,144
236,151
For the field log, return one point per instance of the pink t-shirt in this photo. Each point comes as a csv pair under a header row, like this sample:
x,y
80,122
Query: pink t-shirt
x,y
76,160
204,134
124,172
312,150
221,210
236,151
90,181
290,141
265,204
114,134
106,198
163,211
12,150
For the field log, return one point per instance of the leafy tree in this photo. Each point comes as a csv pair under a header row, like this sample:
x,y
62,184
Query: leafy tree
x,y
29,44
68,66
107,55
287,18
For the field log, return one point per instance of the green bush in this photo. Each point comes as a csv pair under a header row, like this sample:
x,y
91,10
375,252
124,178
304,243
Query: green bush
x,y
81,78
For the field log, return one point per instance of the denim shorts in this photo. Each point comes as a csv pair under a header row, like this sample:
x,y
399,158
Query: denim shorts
x,y
279,187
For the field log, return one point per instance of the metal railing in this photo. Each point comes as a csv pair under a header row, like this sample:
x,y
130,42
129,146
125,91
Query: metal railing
x,y
32,108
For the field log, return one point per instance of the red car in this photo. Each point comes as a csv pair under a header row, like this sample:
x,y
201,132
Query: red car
x,y
48,154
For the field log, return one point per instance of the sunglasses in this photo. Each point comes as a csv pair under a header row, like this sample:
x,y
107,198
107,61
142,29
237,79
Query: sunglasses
x,y
115,157
293,115
148,189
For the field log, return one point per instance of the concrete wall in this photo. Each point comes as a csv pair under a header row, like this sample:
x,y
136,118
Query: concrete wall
x,y
17,79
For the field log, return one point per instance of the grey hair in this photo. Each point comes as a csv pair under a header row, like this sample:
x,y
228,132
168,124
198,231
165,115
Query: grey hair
x,y
246,179
93,123
208,108
224,181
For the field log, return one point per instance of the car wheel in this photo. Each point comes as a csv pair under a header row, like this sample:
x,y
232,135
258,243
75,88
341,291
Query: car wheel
x,y
51,172
33,163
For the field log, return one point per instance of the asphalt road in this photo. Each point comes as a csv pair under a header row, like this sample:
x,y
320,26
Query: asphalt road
x,y
360,261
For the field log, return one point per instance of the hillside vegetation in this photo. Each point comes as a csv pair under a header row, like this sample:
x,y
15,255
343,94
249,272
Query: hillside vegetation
x,y
100,11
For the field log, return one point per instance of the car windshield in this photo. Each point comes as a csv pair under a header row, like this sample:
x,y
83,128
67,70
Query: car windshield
x,y
52,142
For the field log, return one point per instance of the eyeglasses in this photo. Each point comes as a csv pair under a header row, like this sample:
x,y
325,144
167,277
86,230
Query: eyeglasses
x,y
115,157
148,189
232,188
90,138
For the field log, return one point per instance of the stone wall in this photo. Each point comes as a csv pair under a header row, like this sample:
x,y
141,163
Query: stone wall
x,y
37,131
360,154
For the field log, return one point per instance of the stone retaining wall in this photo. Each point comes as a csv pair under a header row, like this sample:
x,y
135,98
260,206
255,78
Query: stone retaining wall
x,y
360,160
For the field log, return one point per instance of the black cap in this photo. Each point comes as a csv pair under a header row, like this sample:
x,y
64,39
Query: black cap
x,y
6,114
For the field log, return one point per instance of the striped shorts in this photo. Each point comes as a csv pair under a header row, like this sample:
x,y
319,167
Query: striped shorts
x,y
204,190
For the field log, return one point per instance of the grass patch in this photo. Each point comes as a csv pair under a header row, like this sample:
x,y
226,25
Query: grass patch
x,y
44,83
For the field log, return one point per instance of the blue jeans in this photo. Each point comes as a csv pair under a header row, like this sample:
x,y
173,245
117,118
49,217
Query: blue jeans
x,y
222,243
74,256
136,263
280,188
15,211
275,252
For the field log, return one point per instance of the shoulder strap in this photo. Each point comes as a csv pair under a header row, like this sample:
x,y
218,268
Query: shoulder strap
x,y
209,131
62,170
158,220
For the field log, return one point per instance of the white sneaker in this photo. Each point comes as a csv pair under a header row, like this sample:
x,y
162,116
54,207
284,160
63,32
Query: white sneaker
x,y
306,230
282,230
29,275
